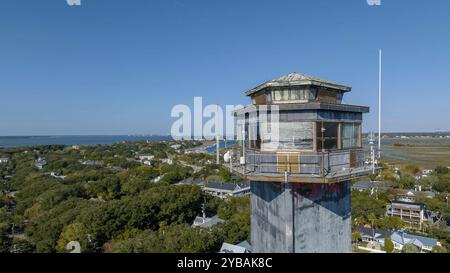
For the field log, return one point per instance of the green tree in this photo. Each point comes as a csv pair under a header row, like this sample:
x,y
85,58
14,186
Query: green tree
x,y
388,245
410,248
406,182
441,170
72,232
363,205
21,246
438,249
356,237
390,223
169,239
411,169
5,224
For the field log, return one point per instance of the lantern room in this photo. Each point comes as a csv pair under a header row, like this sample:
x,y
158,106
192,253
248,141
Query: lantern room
x,y
298,126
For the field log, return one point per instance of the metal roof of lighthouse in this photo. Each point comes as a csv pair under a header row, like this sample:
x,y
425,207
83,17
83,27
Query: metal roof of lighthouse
x,y
298,79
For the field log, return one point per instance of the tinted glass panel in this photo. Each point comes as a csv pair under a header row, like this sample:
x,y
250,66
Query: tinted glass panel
x,y
350,135
327,135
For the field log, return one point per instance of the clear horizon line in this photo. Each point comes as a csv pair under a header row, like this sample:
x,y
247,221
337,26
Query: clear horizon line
x,y
156,134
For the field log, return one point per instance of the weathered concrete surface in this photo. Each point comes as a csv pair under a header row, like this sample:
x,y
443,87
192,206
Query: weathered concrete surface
x,y
301,218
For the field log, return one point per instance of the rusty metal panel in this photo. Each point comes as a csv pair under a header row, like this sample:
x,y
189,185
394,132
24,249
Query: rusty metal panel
x,y
282,162
260,99
353,158
327,96
288,162
294,163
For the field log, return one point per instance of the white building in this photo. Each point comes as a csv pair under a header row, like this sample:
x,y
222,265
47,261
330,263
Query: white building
x,y
425,244
55,175
206,222
167,160
4,160
223,190
40,163
146,162
146,157
175,146
242,247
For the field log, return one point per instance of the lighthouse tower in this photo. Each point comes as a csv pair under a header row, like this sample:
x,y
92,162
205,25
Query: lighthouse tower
x,y
300,148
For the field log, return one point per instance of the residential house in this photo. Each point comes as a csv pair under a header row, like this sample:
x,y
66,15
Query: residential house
x,y
242,247
92,163
4,160
195,151
176,146
146,162
40,163
369,235
414,214
206,222
167,161
143,158
191,181
55,175
223,190
364,185
423,174
411,195
425,244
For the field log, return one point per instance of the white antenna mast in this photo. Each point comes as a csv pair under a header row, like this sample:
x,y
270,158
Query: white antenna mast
x,y
379,103
217,137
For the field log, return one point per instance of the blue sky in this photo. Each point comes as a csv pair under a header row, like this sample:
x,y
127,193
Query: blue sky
x,y
119,66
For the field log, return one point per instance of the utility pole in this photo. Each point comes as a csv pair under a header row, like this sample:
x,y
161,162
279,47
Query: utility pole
x,y
231,161
217,150
217,137
372,151
243,143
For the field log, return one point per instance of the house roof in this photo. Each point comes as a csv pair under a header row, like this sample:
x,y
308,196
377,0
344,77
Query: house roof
x,y
242,247
407,203
244,184
191,181
415,193
297,79
362,185
379,233
209,222
419,241
220,186
226,186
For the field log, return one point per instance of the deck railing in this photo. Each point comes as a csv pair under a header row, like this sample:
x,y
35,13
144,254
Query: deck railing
x,y
316,164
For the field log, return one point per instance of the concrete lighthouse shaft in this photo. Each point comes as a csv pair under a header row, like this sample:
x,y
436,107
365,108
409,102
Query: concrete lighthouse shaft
x,y
300,218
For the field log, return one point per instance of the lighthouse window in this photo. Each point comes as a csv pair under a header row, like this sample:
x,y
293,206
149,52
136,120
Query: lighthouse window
x,y
290,136
295,94
327,135
350,135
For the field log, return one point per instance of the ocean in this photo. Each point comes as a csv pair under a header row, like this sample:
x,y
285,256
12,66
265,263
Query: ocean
x,y
14,141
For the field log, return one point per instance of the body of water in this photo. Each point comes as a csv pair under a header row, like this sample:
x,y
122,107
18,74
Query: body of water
x,y
212,149
14,141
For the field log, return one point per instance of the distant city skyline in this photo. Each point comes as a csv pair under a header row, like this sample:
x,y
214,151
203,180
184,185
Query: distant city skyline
x,y
117,68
